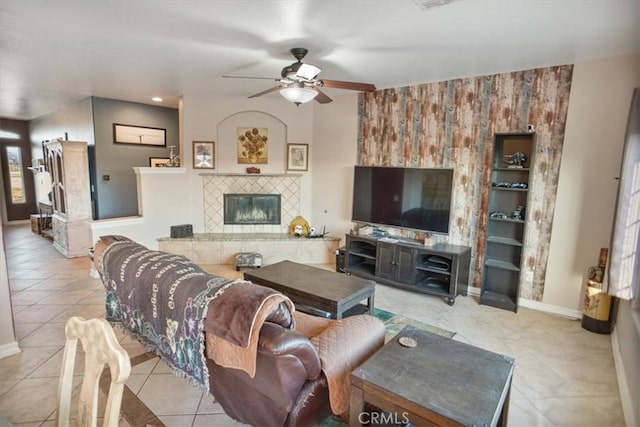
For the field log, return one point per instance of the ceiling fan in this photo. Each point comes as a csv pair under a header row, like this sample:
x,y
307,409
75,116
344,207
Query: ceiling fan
x,y
300,82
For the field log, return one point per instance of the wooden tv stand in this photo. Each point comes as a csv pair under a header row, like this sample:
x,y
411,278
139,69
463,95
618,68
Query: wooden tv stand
x,y
441,269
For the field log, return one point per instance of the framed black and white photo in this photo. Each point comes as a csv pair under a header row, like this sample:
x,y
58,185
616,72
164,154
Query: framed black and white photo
x,y
297,157
158,162
204,155
139,135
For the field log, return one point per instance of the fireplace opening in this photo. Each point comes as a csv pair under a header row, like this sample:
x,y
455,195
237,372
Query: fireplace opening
x,y
252,209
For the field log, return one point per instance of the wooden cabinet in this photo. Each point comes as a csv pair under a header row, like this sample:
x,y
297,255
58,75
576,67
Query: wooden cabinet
x,y
506,226
395,262
68,163
441,269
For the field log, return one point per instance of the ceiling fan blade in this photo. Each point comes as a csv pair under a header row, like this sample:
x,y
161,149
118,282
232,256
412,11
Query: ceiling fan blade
x,y
247,77
264,92
364,87
321,97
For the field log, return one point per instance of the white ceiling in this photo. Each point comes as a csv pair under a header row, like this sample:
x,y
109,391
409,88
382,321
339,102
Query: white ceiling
x,y
53,52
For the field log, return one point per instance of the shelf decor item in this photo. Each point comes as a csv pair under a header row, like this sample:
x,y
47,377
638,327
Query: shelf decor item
x,y
158,162
597,314
297,157
204,155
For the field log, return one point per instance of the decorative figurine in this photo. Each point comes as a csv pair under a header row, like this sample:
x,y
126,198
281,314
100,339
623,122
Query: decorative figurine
x,y
174,159
299,227
515,160
518,213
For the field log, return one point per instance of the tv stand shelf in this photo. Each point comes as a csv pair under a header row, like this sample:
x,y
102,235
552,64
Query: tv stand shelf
x,y
441,269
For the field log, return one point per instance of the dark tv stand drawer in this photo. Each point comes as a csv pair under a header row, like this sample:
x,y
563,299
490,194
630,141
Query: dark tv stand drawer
x,y
441,269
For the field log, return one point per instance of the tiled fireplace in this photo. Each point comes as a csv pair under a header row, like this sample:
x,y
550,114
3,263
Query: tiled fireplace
x,y
241,187
254,196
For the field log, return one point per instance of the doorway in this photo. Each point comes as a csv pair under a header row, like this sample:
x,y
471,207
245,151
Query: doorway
x,y
17,179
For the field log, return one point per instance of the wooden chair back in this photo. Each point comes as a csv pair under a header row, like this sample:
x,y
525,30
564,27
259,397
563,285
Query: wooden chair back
x,y
101,348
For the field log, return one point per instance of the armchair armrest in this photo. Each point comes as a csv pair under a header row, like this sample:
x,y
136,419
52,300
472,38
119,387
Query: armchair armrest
x,y
279,342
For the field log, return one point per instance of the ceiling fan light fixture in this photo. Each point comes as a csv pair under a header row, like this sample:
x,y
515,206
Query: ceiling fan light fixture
x,y
297,93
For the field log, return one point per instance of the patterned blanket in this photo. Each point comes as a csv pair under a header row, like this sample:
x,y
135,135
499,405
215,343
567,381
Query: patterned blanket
x,y
162,299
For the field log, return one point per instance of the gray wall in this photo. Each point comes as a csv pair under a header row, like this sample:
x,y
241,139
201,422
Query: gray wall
x,y
118,197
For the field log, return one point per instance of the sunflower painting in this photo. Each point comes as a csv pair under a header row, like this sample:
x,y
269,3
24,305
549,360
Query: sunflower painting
x,y
252,145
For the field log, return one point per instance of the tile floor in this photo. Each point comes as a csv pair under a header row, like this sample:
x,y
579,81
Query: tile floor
x,y
564,375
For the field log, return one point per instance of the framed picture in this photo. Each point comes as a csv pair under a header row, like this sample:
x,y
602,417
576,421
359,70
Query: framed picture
x,y
253,147
158,162
139,135
297,157
204,155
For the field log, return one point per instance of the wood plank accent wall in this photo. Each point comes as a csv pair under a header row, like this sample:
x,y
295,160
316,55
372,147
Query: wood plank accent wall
x,y
452,124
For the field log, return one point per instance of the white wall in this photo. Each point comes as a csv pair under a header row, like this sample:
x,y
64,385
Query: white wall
x,y
599,104
8,343
164,199
203,113
335,134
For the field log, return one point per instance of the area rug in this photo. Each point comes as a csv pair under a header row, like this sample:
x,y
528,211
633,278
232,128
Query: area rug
x,y
393,323
138,414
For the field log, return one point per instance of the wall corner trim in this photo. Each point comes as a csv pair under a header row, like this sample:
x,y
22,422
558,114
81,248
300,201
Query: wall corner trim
x,y
9,349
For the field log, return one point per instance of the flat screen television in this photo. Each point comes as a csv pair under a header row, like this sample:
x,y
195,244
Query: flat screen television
x,y
413,198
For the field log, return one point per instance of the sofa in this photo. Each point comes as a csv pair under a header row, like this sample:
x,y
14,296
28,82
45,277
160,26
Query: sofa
x,y
265,363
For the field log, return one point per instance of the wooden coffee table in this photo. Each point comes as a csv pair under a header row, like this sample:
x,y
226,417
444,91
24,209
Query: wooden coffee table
x,y
438,382
317,291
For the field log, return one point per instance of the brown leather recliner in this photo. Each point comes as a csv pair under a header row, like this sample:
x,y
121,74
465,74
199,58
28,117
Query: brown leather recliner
x,y
290,387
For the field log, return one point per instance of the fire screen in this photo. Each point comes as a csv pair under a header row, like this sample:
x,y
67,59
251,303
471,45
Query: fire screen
x,y
252,209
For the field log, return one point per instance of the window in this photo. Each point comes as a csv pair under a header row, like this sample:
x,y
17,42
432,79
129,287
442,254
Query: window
x,y
14,159
624,270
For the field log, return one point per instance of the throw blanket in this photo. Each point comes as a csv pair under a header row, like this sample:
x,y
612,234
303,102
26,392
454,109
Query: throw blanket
x,y
162,299
233,343
365,334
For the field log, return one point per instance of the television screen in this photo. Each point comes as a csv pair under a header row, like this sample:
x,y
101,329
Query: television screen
x,y
413,198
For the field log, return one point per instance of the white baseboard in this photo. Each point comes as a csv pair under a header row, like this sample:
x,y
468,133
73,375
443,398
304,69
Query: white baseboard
x,y
625,395
9,349
540,306
473,291
548,308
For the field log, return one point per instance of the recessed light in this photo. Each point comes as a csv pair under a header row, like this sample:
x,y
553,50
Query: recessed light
x,y
156,99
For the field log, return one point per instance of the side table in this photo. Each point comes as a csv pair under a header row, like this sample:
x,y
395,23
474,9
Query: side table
x,y
438,382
